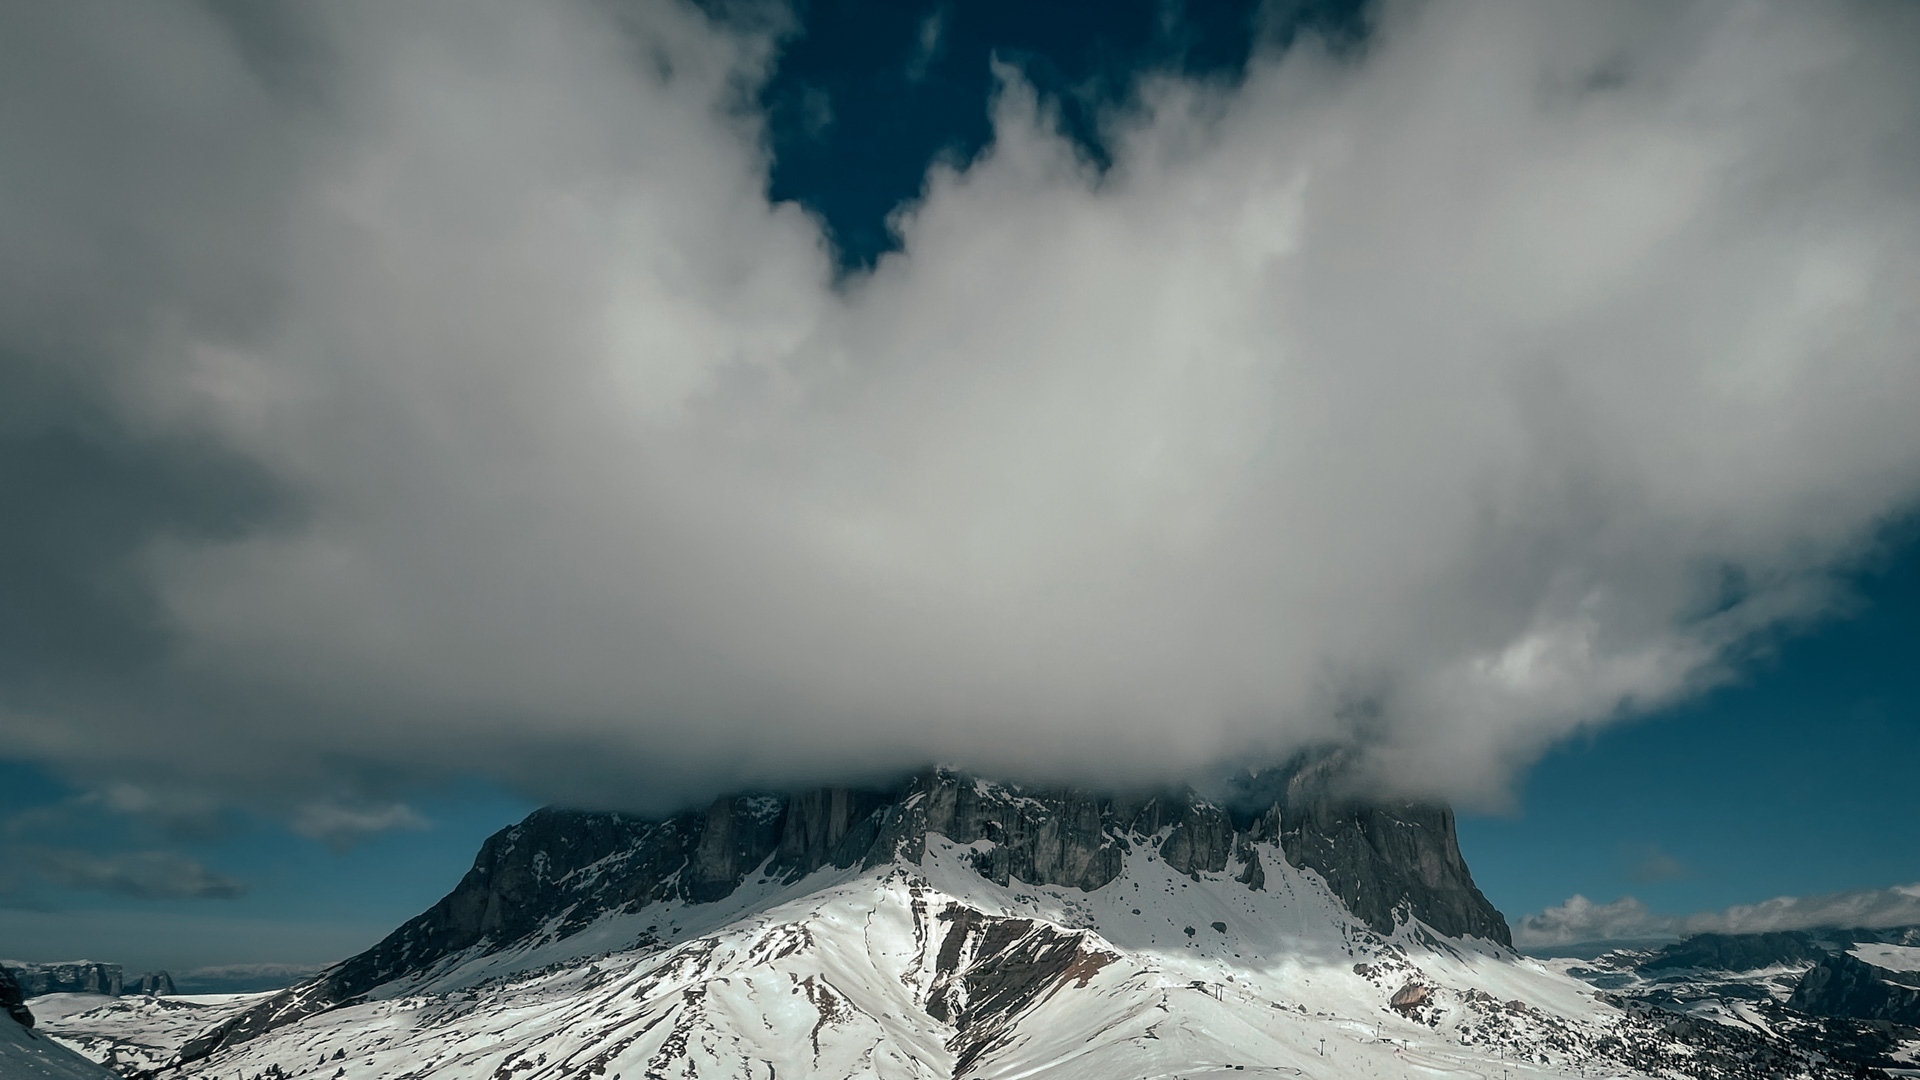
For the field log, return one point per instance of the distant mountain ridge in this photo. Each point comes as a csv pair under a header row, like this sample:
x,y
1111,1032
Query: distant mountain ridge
x,y
83,977
1391,863
1851,994
69,977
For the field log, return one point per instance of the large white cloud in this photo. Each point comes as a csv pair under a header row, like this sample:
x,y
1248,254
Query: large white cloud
x,y
1506,378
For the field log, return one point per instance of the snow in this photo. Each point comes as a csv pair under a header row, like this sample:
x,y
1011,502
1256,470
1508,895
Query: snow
x,y
49,1007
1889,957
135,1031
26,1054
835,975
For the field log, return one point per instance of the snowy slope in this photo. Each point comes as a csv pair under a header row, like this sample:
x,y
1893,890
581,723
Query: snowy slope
x,y
26,1054
133,1033
950,926
1889,957
930,970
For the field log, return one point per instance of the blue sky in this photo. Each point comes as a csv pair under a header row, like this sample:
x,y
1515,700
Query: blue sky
x,y
295,610
1798,779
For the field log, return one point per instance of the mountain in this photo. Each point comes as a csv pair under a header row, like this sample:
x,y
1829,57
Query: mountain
x,y
1850,995
13,1000
29,1055
1736,952
1843,985
561,872
154,984
72,977
949,926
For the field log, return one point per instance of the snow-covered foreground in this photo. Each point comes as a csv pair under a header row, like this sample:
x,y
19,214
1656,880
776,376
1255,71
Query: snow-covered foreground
x,y
26,1054
929,970
133,1033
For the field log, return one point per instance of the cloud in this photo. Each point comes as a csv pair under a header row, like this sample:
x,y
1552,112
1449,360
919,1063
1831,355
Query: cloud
x,y
341,826
1581,920
143,875
1523,370
928,43
241,978
1651,865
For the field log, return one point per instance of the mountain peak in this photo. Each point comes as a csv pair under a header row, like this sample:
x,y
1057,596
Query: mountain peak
x,y
561,871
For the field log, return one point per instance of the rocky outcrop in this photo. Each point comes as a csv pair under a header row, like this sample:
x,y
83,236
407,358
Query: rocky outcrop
x,y
1844,986
1387,860
13,1001
990,970
1201,839
1041,837
153,984
1736,952
76,977
1409,998
559,870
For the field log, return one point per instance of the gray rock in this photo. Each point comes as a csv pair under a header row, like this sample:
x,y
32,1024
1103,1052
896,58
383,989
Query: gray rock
x,y
1383,859
1735,952
14,1000
154,984
1408,999
1201,839
1844,986
1253,875
559,870
75,977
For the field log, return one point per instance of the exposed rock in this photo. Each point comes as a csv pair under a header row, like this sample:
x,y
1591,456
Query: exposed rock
x,y
27,1054
1379,856
1061,837
559,870
154,984
1839,1010
1253,875
74,977
989,970
1841,985
827,827
1408,999
14,1000
1201,839
1735,952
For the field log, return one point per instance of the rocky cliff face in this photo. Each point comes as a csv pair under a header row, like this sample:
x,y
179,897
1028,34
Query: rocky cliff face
x,y
1736,952
153,984
78,977
560,870
1388,861
1841,985
13,1001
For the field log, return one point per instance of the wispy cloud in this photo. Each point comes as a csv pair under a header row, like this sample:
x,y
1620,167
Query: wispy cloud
x,y
1581,920
240,978
145,875
1651,865
928,43
341,825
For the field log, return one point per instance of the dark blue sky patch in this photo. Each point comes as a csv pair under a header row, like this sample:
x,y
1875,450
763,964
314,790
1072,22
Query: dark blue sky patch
x,y
856,115
1798,779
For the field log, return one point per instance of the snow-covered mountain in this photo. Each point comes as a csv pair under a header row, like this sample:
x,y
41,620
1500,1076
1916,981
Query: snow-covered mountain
x,y
953,927
1848,995
29,1055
